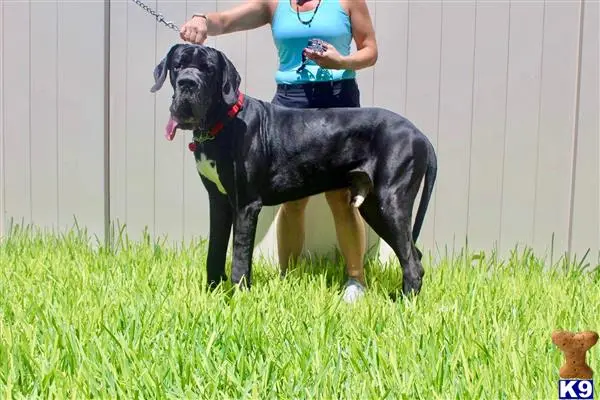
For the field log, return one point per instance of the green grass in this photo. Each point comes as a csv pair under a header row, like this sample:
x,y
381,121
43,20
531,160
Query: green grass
x,y
78,322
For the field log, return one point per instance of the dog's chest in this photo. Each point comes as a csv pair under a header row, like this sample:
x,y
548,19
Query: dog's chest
x,y
208,169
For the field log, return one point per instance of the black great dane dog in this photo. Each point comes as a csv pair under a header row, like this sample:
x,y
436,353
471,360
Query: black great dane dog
x,y
251,153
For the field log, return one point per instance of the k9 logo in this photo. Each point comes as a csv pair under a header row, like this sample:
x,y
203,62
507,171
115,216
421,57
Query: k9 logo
x,y
575,389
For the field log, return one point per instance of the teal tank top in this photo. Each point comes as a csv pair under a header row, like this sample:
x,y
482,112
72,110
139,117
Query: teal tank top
x,y
331,24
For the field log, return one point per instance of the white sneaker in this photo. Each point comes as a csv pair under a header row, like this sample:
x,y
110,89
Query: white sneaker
x,y
353,291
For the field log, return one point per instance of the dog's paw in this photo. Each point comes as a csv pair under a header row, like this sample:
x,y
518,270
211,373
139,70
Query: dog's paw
x,y
213,283
411,287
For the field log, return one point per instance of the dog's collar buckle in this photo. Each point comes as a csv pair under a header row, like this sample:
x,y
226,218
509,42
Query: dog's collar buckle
x,y
199,138
203,137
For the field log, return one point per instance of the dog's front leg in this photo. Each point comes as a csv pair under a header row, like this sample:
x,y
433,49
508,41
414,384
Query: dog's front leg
x,y
221,219
244,233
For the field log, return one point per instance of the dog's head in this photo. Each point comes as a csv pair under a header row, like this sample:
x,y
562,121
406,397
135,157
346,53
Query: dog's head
x,y
205,85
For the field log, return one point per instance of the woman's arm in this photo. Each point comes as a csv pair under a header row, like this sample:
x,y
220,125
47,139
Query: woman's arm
x,y
249,15
364,37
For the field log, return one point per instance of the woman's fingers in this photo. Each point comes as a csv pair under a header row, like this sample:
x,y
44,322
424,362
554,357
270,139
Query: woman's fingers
x,y
194,31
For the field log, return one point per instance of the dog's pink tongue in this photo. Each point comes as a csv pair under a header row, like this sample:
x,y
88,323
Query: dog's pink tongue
x,y
170,129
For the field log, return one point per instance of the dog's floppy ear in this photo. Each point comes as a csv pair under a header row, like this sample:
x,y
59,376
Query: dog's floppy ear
x,y
230,80
160,71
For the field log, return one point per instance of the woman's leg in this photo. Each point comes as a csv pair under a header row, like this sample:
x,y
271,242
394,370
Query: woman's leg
x,y
350,231
290,232
290,222
349,226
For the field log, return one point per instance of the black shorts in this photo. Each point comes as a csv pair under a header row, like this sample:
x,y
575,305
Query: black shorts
x,y
342,93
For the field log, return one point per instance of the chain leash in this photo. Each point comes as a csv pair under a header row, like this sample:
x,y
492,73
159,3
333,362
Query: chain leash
x,y
159,17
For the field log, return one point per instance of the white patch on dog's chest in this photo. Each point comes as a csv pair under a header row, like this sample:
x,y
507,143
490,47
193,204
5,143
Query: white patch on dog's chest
x,y
208,169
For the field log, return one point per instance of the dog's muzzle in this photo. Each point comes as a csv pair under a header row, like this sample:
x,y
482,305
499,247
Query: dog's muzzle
x,y
186,94
187,83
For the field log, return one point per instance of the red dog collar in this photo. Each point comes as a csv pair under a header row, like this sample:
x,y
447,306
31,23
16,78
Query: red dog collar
x,y
233,111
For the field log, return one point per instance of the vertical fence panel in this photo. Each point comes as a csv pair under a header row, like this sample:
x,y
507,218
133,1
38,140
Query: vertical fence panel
x,y
139,162
421,97
16,89
522,118
119,132
81,116
2,187
586,207
169,157
389,80
561,30
487,147
43,108
454,139
364,77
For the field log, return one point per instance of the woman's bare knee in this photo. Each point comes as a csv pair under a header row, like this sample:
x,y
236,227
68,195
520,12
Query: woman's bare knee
x,y
295,207
339,200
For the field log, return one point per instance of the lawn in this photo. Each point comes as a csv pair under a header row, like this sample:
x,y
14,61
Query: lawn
x,y
78,322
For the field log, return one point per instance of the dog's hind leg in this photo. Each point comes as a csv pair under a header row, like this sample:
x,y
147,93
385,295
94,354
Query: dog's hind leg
x,y
390,218
360,187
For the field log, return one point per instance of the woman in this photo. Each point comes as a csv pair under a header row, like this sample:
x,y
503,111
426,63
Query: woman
x,y
325,79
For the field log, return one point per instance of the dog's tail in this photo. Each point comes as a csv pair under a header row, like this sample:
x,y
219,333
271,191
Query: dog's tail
x,y
430,176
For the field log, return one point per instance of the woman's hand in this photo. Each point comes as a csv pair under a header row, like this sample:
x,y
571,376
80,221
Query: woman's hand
x,y
248,15
330,58
195,30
